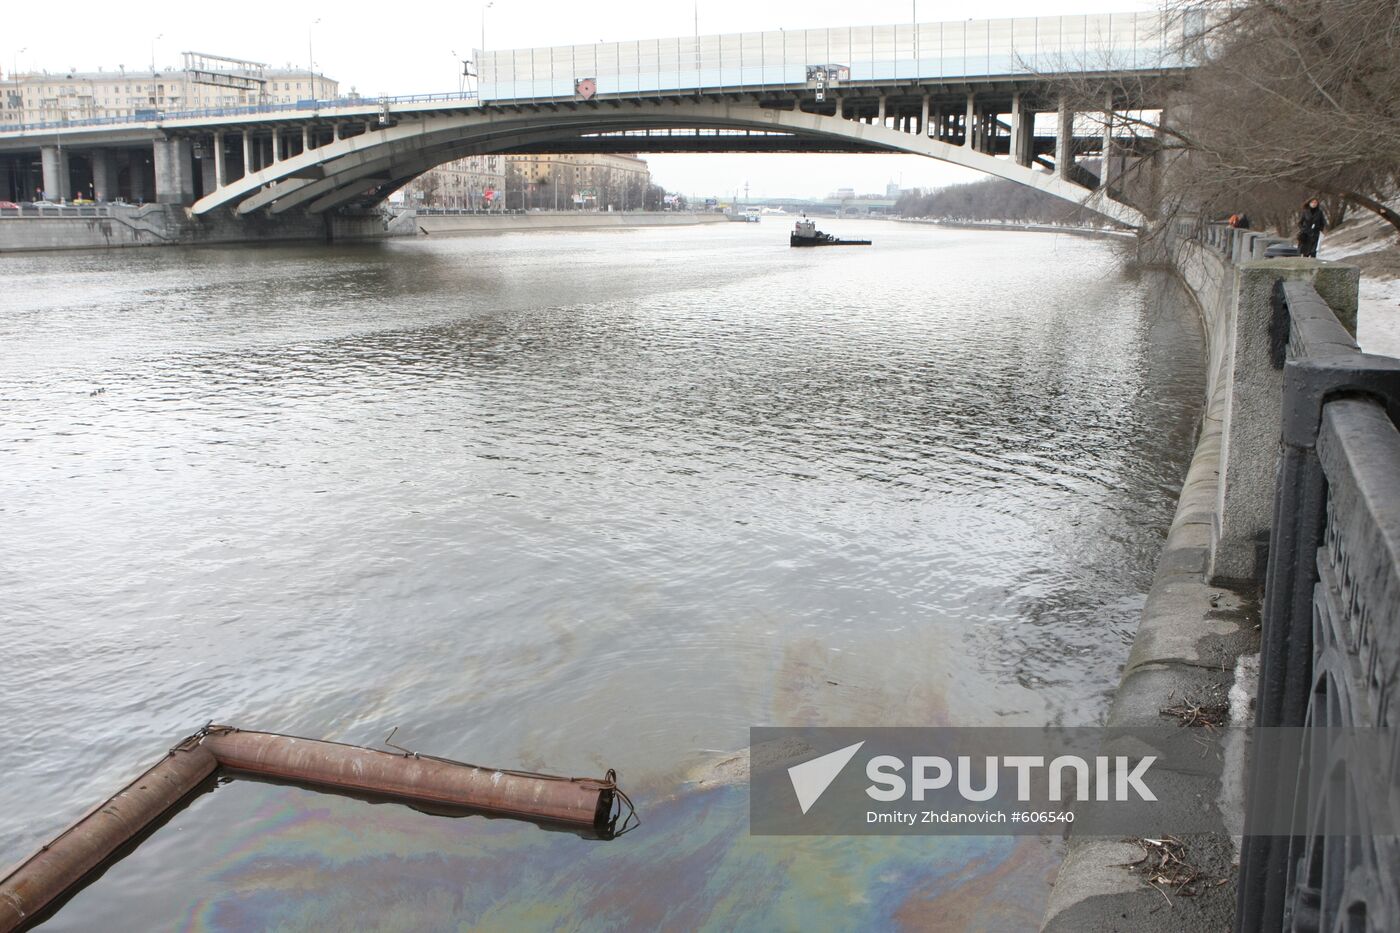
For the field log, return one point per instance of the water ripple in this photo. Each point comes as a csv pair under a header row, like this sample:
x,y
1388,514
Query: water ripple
x,y
607,510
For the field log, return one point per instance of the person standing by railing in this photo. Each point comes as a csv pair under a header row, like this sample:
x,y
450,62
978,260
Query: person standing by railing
x,y
1311,222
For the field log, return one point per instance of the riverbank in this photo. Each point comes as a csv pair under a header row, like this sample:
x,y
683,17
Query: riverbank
x,y
1188,648
1198,643
467,223
1017,227
121,226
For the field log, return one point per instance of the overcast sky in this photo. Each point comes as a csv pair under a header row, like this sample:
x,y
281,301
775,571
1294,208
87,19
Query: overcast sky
x,y
411,47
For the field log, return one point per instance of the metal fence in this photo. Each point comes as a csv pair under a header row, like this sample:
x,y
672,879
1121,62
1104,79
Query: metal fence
x,y
57,210
1330,654
1109,42
454,211
354,104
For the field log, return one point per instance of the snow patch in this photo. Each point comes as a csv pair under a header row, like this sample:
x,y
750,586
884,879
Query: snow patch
x,y
1378,316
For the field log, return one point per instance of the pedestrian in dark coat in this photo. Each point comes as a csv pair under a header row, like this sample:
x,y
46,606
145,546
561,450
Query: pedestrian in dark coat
x,y
1311,222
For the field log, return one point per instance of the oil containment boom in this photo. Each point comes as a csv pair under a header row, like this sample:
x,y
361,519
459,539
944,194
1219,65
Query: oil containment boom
x,y
29,891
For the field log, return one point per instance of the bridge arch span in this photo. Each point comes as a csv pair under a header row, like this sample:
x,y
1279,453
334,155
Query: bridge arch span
x,y
362,166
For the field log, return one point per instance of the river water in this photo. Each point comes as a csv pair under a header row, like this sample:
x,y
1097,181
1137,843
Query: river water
x,y
568,501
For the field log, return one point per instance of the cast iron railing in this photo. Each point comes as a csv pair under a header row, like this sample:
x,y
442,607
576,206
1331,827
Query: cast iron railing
x,y
1330,653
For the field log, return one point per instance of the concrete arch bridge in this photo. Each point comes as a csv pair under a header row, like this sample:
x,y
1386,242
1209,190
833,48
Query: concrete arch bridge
x,y
993,95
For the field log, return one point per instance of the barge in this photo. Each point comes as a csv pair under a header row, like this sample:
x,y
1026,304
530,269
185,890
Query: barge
x,y
807,234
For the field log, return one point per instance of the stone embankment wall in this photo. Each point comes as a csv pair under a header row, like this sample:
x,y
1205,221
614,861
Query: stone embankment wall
x,y
1198,639
1020,227
117,226
447,224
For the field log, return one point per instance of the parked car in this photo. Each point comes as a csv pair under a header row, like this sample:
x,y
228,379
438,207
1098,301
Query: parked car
x,y
4,204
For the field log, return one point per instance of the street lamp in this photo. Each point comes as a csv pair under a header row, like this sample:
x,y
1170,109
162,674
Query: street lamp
x,y
914,19
153,51
311,58
484,8
462,74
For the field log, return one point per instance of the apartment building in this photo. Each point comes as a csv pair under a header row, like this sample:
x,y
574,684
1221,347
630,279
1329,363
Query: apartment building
x,y
43,97
543,181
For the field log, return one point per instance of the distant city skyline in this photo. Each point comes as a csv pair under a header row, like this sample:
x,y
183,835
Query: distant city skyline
x,y
429,40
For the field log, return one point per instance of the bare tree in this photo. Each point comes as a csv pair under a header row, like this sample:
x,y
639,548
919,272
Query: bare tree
x,y
1302,95
1289,99
1293,98
993,199
428,185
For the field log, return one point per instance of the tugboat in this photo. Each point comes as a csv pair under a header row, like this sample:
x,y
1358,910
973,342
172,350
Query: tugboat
x,y
807,234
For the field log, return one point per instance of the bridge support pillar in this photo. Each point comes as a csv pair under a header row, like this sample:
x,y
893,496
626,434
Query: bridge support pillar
x,y
1106,169
881,117
923,116
305,139
247,154
220,168
56,179
208,176
1017,128
840,108
969,127
1022,131
137,170
13,183
1064,140
174,171
104,176
22,181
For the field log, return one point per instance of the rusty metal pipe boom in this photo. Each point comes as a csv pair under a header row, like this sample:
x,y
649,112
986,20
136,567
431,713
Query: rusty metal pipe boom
x,y
580,802
63,863
37,883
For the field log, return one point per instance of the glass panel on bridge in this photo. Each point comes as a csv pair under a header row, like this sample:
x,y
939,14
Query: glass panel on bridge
x,y
754,60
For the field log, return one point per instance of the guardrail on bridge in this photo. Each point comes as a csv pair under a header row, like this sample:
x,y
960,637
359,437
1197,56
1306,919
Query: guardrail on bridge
x,y
353,104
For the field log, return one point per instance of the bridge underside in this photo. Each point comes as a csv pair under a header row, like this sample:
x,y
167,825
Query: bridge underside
x,y
318,162
702,141
358,171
